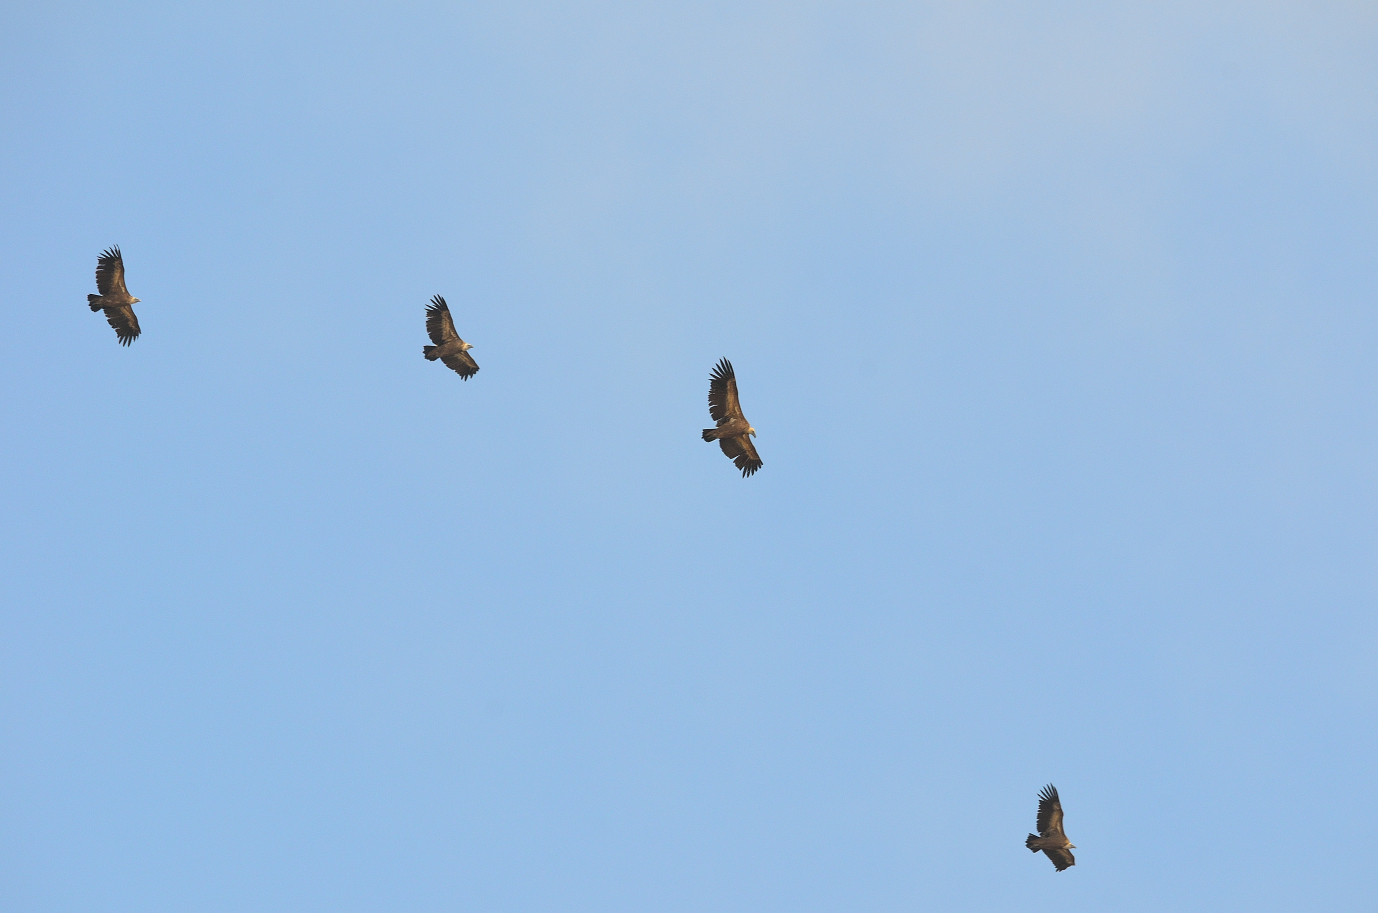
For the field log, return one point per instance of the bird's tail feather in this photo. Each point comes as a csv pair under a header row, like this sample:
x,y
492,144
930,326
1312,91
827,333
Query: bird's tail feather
x,y
429,352
710,434
91,300
1030,842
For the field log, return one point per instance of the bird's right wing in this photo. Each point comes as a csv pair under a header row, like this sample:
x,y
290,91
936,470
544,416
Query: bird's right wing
x,y
1049,811
125,323
722,393
439,325
110,272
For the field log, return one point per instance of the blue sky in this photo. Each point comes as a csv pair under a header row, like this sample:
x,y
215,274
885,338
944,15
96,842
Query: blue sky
x,y
1058,329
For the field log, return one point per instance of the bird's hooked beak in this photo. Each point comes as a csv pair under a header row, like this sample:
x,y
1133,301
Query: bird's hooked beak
x,y
751,431
137,300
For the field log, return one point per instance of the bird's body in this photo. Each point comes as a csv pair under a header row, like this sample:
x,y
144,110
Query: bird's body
x,y
1051,839
114,298
449,348
733,432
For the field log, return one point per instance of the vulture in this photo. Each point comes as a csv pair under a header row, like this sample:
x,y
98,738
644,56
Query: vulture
x,y
734,432
448,347
1050,837
114,298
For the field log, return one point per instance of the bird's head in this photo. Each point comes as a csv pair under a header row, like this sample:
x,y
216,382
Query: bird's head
x,y
466,346
751,431
1071,846
136,301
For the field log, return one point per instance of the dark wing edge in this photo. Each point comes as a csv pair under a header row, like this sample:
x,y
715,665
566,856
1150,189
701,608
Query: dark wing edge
x,y
722,392
440,326
1062,859
110,271
125,324
1049,811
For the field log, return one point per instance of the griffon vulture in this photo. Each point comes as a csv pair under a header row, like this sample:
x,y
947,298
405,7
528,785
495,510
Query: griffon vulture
x,y
114,298
1050,838
448,347
734,432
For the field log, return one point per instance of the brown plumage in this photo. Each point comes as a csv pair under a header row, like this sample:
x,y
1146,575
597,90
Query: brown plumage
x,y
448,347
1050,837
114,298
734,432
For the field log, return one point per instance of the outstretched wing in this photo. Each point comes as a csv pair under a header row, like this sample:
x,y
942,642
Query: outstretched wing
x,y
722,393
125,323
1062,859
439,325
462,363
110,273
742,452
1050,813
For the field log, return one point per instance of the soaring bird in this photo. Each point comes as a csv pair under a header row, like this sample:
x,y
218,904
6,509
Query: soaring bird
x,y
734,432
1050,837
448,347
114,298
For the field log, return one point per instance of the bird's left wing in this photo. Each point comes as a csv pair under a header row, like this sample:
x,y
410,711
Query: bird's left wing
x,y
125,323
462,363
742,453
1062,859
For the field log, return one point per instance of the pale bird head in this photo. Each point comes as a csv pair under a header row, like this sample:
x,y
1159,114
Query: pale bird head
x,y
751,431
136,301
466,346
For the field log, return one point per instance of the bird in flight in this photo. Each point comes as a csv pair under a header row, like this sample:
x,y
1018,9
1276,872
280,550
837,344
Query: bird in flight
x,y
734,432
448,347
114,298
1050,837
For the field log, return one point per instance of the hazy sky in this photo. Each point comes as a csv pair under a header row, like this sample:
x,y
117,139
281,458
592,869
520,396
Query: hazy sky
x,y
1057,326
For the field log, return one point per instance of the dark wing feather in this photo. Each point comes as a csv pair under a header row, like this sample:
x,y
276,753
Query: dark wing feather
x,y
462,363
125,323
440,326
742,452
1062,859
722,393
1049,812
110,273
